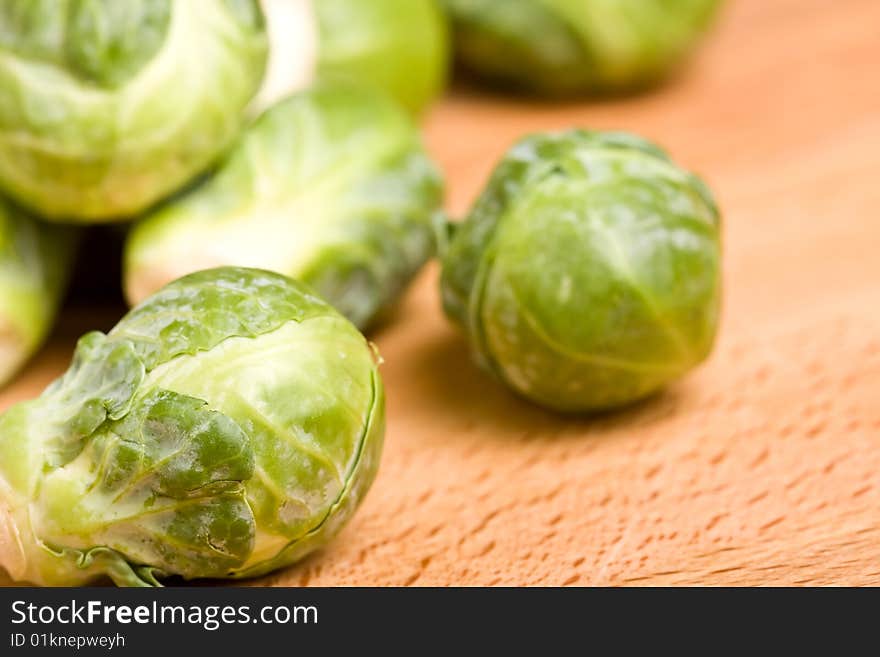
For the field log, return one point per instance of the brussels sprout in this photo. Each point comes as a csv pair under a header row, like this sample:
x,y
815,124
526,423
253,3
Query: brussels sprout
x,y
399,46
34,267
331,186
559,47
106,106
587,274
226,427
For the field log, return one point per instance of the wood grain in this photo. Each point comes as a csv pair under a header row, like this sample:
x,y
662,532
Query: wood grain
x,y
761,467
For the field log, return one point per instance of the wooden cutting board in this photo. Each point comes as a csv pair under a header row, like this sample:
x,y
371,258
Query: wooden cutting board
x,y
762,467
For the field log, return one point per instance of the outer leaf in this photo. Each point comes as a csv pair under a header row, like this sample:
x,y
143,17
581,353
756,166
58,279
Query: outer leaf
x,y
200,311
357,481
99,385
172,475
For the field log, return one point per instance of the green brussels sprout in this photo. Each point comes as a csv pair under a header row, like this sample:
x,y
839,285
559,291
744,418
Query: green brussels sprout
x,y
400,46
226,427
331,186
587,274
106,106
34,267
558,47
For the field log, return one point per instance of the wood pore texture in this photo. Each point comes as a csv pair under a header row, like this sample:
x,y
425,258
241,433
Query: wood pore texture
x,y
763,466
